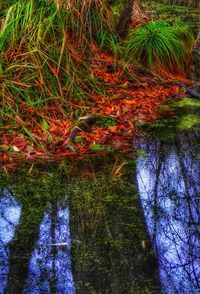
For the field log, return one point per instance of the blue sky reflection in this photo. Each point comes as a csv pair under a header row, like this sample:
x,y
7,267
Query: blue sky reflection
x,y
169,187
50,265
10,211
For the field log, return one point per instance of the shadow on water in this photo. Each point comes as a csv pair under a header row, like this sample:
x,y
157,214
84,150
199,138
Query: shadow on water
x,y
107,218
168,179
60,234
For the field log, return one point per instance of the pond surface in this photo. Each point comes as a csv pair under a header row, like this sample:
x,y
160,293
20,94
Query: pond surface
x,y
73,235
169,186
101,234
50,256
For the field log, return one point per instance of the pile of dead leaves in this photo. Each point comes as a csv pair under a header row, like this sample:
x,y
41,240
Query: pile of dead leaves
x,y
128,104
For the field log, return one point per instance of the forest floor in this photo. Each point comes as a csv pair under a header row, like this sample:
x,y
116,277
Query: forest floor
x,y
130,102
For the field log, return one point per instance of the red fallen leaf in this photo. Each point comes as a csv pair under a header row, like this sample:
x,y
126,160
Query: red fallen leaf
x,y
144,103
106,110
95,47
131,124
20,142
130,102
53,128
113,129
66,153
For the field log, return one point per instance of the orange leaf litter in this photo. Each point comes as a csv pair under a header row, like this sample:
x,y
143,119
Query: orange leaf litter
x,y
127,103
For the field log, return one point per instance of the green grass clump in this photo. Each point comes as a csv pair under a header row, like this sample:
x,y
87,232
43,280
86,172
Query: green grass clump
x,y
159,44
185,34
108,40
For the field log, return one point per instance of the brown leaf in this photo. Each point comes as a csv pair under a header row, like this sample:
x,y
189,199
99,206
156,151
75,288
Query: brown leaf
x,y
113,129
4,147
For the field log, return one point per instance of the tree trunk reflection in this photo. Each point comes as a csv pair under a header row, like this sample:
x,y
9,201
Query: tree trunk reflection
x,y
169,185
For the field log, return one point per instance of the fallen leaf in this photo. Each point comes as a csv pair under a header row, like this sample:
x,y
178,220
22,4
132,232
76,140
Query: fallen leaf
x,y
30,149
15,148
113,129
4,147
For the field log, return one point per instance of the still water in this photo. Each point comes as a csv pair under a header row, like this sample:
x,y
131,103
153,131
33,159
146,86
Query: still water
x,y
168,180
93,235
49,261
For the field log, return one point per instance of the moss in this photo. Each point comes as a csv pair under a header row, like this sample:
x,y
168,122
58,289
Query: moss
x,y
107,220
184,116
107,228
186,102
188,113
188,121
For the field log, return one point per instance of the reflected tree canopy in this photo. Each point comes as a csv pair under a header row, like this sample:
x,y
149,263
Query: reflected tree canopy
x,y
73,235
10,211
35,251
50,265
168,180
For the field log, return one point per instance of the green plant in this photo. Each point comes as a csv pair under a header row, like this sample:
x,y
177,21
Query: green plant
x,y
106,122
185,34
108,40
43,64
97,147
79,139
160,44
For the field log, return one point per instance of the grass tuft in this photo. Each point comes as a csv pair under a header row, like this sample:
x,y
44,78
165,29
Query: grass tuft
x,y
160,44
45,56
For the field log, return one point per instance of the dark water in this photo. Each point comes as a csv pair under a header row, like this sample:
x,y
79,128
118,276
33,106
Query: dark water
x,y
95,240
49,261
78,235
169,186
90,236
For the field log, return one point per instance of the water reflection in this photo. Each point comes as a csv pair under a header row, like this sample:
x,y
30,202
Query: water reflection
x,y
10,211
107,219
169,185
34,253
107,232
50,265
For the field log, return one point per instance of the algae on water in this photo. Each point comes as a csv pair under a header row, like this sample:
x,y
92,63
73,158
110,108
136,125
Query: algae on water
x,y
106,226
188,121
